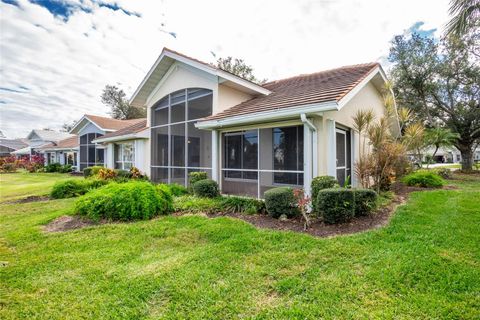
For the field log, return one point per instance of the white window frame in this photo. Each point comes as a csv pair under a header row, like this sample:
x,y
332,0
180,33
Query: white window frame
x,y
121,161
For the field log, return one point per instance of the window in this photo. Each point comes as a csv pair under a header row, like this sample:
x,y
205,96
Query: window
x,y
288,155
124,155
178,147
90,153
240,153
255,161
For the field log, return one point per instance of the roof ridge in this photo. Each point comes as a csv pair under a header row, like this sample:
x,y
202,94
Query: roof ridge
x,y
359,65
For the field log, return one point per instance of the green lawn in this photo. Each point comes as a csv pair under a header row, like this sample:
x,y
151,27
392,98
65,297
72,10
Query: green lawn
x,y
424,264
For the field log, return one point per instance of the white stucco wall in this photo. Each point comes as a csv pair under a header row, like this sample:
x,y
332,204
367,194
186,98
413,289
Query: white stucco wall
x,y
367,98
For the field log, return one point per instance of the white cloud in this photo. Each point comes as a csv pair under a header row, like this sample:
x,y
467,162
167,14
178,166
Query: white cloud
x,y
58,68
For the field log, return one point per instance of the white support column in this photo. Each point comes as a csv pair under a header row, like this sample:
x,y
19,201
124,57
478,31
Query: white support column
x,y
215,157
355,156
331,149
315,153
307,159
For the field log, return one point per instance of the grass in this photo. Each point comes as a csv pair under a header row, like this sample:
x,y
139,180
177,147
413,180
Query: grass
x,y
424,264
23,184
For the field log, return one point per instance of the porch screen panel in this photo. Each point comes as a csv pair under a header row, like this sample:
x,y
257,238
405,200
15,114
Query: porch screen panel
x,y
90,153
178,147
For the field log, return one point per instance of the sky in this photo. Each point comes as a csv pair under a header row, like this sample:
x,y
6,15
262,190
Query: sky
x,y
56,56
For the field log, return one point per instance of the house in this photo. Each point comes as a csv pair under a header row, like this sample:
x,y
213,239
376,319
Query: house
x,y
127,147
250,137
89,128
64,151
38,138
8,146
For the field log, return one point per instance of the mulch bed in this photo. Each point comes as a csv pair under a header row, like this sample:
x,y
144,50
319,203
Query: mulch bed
x,y
28,199
65,223
319,229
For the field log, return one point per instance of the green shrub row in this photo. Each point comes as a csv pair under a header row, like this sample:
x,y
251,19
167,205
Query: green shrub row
x,y
75,187
236,204
321,183
338,205
133,200
91,171
424,179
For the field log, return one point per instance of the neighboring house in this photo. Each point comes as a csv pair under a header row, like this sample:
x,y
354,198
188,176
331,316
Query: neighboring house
x,y
89,128
8,146
250,137
63,152
38,138
448,155
127,147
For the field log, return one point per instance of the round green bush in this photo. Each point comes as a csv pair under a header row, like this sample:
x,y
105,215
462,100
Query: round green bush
x,y
196,176
53,167
424,179
365,201
177,189
134,200
336,205
206,188
280,201
91,171
320,183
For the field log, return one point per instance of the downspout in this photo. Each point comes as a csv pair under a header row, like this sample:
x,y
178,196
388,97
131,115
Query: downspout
x,y
309,152
309,124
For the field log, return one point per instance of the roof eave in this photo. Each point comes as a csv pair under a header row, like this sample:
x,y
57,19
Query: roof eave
x,y
271,115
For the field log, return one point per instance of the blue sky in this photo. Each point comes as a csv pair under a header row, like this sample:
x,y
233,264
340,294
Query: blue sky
x,y
57,55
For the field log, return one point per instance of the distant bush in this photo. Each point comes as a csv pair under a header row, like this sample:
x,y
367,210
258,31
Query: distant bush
x,y
91,171
320,183
133,200
122,173
206,188
445,173
424,179
338,205
280,201
53,167
235,204
74,187
177,189
67,168
8,164
195,176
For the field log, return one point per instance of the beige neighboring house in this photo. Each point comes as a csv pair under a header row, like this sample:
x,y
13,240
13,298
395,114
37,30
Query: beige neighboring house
x,y
250,137
127,147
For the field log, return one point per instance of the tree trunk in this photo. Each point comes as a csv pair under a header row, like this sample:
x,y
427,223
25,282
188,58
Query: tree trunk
x,y
467,157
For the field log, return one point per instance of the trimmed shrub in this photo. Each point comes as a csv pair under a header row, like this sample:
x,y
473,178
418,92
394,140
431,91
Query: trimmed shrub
x,y
336,205
445,173
91,171
165,192
234,204
177,189
53,167
206,188
280,201
74,187
134,200
365,201
424,179
106,174
320,183
195,176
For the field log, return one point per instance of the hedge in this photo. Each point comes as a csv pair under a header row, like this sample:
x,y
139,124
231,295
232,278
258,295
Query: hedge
x,y
280,201
206,188
134,200
338,205
321,183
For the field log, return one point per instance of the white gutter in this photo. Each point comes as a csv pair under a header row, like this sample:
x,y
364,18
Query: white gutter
x,y
130,136
269,116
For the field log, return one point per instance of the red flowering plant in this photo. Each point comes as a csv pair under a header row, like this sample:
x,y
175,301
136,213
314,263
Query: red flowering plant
x,y
35,163
303,204
8,164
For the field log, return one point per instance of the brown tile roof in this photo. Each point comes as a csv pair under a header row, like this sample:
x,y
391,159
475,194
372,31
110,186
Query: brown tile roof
x,y
134,128
68,143
324,86
111,124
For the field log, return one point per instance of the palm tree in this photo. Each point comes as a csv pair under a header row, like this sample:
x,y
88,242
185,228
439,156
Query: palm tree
x,y
465,14
440,137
